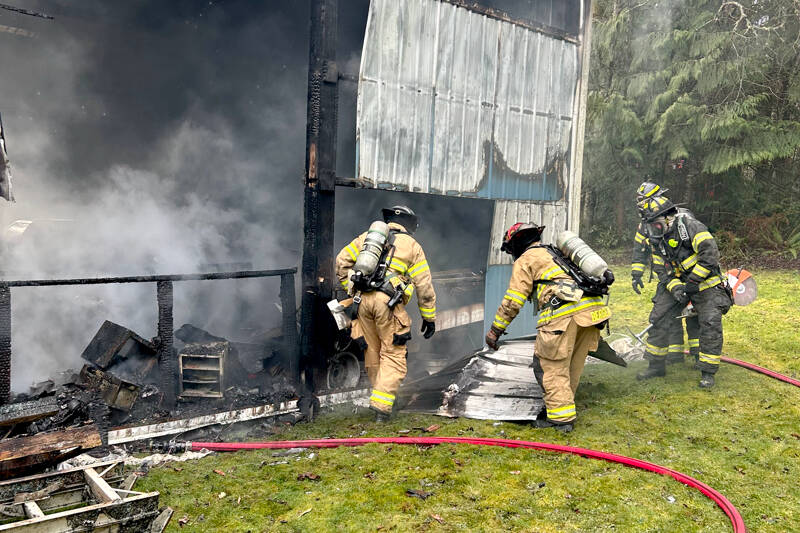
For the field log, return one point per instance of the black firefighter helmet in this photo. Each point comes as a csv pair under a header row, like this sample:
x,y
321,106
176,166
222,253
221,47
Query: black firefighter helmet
x,y
519,236
402,215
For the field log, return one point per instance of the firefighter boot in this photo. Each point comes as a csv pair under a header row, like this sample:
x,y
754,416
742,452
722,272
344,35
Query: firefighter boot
x,y
563,428
380,416
655,370
706,380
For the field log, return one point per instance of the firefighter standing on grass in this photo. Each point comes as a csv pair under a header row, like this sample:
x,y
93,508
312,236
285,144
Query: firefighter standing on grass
x,y
387,330
641,257
568,327
686,259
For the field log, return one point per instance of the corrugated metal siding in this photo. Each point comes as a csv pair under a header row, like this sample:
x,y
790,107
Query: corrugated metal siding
x,y
455,102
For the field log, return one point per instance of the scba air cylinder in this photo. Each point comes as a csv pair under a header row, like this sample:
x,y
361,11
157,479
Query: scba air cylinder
x,y
372,249
581,254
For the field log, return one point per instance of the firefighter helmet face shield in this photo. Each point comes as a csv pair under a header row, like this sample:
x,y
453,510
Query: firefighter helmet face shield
x,y
402,215
519,236
659,227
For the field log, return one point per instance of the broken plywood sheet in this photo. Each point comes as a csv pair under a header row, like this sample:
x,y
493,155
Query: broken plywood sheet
x,y
484,385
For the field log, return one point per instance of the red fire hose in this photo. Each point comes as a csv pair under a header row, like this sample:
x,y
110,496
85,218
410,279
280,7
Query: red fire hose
x,y
719,499
762,370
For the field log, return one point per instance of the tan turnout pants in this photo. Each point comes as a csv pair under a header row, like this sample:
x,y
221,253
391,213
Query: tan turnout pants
x,y
386,331
561,347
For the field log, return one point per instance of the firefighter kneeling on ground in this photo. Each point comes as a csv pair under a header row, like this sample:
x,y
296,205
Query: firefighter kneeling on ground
x,y
381,316
686,260
568,327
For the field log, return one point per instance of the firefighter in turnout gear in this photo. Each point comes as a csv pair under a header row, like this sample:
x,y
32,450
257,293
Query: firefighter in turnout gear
x,y
686,260
641,257
568,326
384,324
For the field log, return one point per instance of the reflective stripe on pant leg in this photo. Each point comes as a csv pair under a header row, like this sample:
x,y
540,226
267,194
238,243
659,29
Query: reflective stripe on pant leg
x,y
709,316
554,353
382,398
392,367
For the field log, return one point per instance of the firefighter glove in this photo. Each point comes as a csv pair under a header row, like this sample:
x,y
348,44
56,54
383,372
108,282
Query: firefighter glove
x,y
637,282
691,288
679,293
491,337
428,328
608,276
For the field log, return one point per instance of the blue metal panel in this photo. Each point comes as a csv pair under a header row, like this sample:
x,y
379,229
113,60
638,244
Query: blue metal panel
x,y
497,277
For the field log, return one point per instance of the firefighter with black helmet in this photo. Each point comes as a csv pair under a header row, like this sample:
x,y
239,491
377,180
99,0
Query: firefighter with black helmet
x,y
568,324
381,314
686,260
641,257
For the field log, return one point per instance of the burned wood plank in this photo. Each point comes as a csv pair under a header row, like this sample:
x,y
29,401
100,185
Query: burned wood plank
x,y
100,488
72,480
160,523
32,510
136,513
84,437
22,412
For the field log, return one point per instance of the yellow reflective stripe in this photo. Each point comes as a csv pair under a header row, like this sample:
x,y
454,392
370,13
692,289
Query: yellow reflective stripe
x,y
344,283
675,348
637,267
427,312
658,260
583,303
515,297
382,397
651,193
502,320
700,237
656,350
352,250
694,343
639,238
552,272
561,413
711,359
398,266
673,283
499,325
689,262
713,281
700,271
409,290
419,268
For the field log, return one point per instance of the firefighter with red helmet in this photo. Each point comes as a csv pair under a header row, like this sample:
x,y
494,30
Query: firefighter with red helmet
x,y
381,316
568,326
686,260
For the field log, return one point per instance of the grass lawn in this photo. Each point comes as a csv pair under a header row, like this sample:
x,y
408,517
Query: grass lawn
x,y
742,438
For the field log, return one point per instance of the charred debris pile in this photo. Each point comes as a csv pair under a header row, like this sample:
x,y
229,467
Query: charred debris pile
x,y
120,383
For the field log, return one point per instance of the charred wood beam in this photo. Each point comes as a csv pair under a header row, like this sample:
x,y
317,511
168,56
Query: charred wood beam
x,y
5,344
317,328
28,12
166,355
150,279
289,326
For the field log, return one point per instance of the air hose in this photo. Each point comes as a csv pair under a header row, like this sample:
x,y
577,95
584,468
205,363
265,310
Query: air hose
x,y
761,370
726,506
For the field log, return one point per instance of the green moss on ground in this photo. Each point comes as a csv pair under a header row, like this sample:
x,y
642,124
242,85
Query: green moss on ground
x,y
742,438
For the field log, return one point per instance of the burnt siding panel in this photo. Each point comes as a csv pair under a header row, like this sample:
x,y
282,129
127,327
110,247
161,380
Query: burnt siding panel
x,y
455,102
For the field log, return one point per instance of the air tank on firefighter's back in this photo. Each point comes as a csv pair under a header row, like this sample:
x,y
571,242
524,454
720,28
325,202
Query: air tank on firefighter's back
x,y
581,254
371,250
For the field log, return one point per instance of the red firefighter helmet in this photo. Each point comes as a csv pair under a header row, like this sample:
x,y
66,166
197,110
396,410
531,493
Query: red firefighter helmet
x,y
520,236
